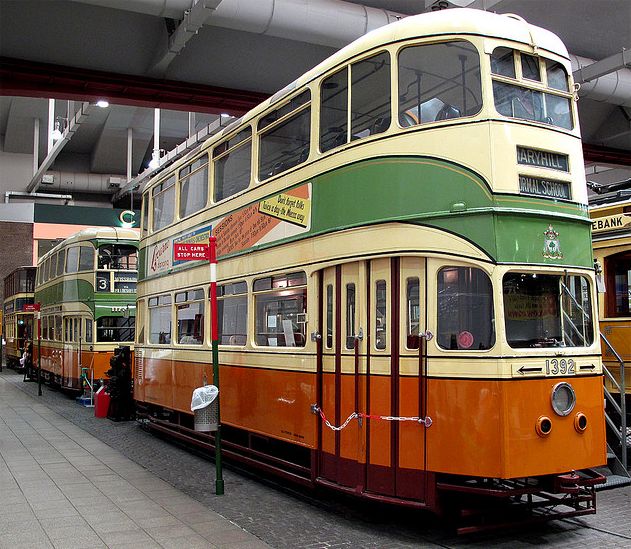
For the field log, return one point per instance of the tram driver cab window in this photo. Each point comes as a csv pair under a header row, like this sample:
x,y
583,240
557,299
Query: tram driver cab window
x,y
465,309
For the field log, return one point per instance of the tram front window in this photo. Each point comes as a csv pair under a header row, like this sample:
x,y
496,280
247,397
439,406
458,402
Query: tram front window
x,y
118,256
115,329
547,310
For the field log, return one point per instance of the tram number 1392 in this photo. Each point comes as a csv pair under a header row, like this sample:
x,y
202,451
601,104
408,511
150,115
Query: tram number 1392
x,y
560,367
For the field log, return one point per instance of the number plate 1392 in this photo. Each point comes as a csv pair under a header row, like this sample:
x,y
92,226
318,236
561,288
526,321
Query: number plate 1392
x,y
560,367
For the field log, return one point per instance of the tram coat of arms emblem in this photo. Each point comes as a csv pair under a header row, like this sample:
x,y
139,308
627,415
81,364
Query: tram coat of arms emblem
x,y
551,246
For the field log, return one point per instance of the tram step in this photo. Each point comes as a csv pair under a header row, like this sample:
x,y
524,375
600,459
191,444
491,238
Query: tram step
x,y
614,481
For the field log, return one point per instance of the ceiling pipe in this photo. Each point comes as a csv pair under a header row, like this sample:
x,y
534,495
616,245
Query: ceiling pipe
x,y
332,23
613,88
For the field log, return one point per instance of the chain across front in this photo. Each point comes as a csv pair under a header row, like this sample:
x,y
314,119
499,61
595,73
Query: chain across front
x,y
426,421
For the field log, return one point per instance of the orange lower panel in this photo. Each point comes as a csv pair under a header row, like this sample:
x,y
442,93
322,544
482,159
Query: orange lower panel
x,y
269,402
487,428
64,364
480,427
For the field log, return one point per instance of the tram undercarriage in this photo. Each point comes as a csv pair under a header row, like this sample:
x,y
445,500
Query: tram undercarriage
x,y
468,504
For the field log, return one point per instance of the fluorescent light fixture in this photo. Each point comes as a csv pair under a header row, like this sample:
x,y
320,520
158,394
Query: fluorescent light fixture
x,y
55,135
155,159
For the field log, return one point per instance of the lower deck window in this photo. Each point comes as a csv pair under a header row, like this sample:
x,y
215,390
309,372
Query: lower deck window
x,y
115,329
190,317
160,319
232,313
465,309
281,311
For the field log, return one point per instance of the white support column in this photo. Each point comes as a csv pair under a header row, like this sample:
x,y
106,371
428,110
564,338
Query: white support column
x,y
156,129
191,124
35,145
130,135
51,124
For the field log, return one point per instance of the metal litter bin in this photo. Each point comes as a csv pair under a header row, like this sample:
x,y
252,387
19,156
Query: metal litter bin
x,y
205,407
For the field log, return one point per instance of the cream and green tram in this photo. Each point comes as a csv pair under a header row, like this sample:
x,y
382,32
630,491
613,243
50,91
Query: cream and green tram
x,y
86,289
17,321
404,252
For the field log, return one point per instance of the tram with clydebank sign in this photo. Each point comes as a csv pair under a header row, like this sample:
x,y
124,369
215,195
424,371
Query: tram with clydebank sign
x,y
86,288
611,234
18,310
398,318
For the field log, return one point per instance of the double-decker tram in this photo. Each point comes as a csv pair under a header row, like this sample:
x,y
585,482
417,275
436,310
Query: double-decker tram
x,y
406,289
611,234
19,286
86,288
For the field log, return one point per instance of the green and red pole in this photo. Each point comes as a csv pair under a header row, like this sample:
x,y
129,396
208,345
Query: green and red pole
x,y
215,349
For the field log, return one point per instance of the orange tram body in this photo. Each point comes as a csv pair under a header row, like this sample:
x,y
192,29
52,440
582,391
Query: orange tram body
x,y
406,292
86,291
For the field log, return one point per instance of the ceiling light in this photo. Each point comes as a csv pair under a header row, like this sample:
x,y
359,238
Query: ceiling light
x,y
103,103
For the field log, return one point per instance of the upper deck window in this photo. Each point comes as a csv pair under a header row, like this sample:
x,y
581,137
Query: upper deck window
x,y
163,203
61,259
145,214
72,260
194,186
524,97
438,82
118,256
285,135
369,102
557,77
233,165
86,258
530,67
370,96
503,63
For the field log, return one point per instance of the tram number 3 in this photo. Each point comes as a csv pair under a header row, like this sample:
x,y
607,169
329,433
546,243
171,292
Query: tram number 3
x,y
561,367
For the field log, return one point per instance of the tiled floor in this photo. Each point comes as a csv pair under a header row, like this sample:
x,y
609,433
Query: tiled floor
x,y
61,487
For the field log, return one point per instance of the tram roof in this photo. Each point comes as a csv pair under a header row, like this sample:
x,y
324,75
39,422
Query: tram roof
x,y
439,23
92,233
462,21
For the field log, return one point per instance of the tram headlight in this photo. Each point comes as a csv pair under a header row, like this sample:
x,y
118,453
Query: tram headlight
x,y
563,398
580,422
543,426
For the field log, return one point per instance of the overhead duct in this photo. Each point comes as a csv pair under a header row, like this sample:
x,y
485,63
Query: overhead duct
x,y
332,23
613,88
91,183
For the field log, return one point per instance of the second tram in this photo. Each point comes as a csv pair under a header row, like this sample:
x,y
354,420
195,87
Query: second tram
x,y
19,287
611,216
406,288
86,287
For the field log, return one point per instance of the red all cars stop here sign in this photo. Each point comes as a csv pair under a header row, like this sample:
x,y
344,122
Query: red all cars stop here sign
x,y
190,252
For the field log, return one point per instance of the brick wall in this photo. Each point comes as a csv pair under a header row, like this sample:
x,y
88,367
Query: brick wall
x,y
16,248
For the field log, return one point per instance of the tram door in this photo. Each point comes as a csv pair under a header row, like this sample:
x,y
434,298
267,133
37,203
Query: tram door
x,y
372,313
